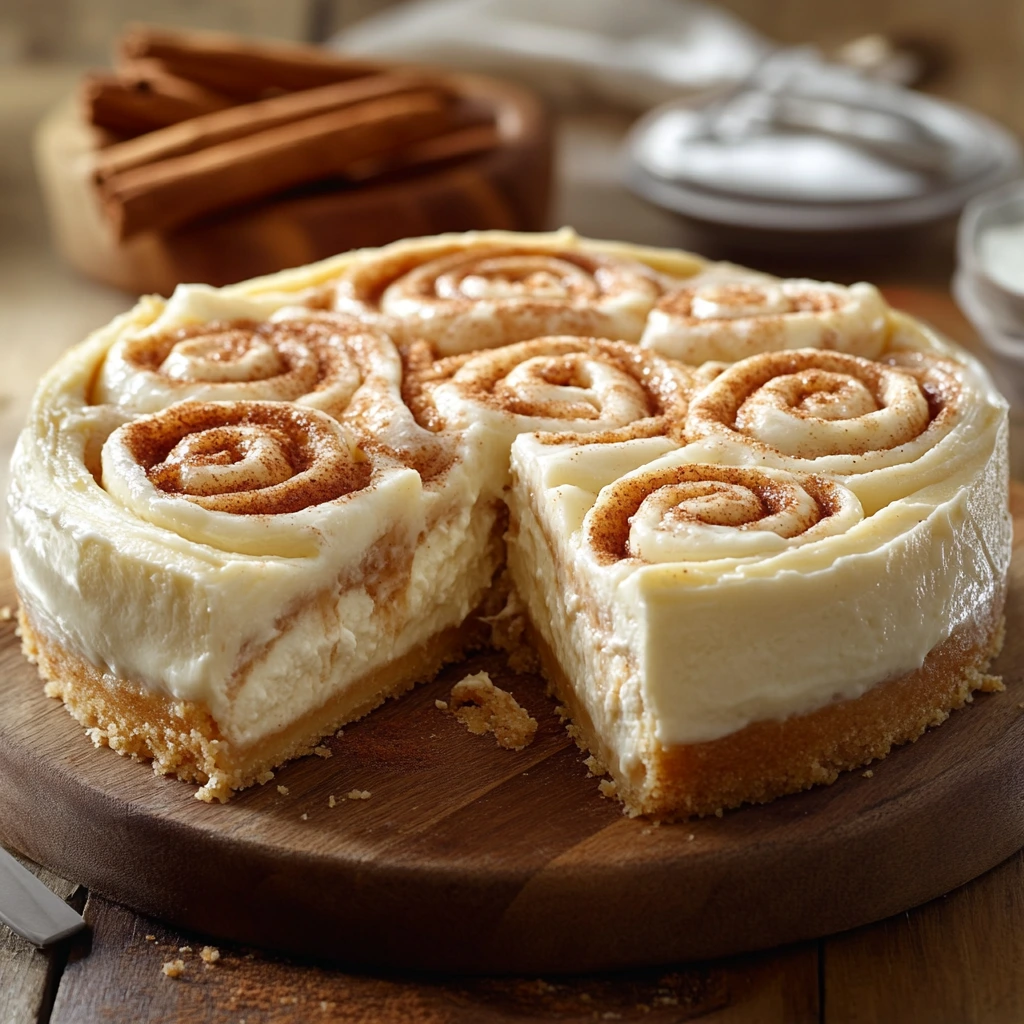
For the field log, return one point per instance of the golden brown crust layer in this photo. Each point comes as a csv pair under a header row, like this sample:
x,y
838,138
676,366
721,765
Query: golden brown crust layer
x,y
181,737
766,760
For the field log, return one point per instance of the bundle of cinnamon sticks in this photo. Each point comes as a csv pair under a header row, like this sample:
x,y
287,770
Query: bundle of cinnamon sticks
x,y
196,123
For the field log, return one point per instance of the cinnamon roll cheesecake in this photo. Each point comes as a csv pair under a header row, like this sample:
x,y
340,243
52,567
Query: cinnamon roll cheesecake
x,y
759,528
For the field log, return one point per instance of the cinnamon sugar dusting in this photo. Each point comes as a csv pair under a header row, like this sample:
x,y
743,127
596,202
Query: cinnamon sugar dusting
x,y
526,291
292,357
889,405
282,458
607,529
577,380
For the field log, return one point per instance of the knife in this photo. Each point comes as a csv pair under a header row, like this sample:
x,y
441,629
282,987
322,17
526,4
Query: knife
x,y
30,909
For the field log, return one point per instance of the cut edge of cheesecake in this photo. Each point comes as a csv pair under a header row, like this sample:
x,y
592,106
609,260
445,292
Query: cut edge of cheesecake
x,y
182,739
769,759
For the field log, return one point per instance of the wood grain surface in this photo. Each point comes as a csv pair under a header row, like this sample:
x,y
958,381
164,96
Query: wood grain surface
x,y
468,857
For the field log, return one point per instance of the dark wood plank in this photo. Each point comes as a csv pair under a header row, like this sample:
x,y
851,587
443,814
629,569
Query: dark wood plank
x,y
28,976
118,975
474,858
958,960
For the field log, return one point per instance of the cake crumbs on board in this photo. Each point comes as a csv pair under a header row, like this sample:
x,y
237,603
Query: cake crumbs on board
x,y
322,751
6,613
441,705
283,790
209,954
174,968
331,802
869,774
359,794
483,707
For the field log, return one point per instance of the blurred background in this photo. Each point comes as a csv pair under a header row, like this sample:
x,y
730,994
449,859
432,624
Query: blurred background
x,y
799,136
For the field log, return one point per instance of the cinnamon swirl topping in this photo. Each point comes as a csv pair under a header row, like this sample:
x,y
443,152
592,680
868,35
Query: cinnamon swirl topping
x,y
697,512
487,296
238,465
248,458
734,318
321,361
582,385
810,404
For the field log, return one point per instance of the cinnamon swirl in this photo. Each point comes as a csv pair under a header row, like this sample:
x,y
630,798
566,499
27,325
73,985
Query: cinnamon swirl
x,y
462,298
759,527
723,317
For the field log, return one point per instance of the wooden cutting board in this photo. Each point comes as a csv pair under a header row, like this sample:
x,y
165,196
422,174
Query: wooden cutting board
x,y
470,857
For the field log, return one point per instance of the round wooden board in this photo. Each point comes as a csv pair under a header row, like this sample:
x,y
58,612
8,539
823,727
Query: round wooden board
x,y
469,857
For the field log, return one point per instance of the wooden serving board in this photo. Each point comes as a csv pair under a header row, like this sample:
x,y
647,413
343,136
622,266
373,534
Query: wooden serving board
x,y
468,857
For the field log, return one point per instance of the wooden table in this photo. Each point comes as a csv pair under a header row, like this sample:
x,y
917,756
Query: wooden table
x,y
959,959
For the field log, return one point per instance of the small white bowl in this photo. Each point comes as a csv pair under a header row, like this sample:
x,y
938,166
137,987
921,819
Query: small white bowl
x,y
997,303
1003,351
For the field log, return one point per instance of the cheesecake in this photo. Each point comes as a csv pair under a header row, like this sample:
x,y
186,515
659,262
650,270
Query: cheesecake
x,y
756,530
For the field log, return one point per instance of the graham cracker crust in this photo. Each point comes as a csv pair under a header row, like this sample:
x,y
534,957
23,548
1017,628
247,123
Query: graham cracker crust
x,y
770,759
181,737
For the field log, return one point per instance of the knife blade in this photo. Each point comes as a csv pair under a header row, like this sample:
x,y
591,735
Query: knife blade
x,y
30,909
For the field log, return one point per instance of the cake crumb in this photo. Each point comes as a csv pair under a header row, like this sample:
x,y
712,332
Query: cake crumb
x,y
331,802
340,733
483,707
594,767
6,613
441,705
209,954
323,752
264,777
151,938
869,774
174,968
303,816
690,838
184,949
359,794
283,790
608,788
720,813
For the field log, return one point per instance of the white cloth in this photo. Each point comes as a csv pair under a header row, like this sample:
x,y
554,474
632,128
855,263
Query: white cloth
x,y
629,52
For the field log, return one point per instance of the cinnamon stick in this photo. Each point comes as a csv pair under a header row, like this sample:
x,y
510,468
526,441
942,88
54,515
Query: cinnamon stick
x,y
251,118
240,68
171,192
448,147
144,101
